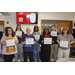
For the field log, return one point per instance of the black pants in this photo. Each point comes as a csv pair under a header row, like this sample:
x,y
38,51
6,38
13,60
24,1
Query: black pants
x,y
30,56
8,58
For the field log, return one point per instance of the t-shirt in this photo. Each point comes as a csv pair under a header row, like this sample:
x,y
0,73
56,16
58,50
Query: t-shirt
x,y
68,38
54,38
4,47
29,47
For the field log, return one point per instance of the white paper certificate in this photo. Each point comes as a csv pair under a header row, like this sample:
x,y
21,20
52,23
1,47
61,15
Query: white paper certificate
x,y
64,44
19,33
29,40
47,40
53,33
37,37
10,42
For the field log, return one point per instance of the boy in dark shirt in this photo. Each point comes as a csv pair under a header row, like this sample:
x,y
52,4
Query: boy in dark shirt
x,y
54,46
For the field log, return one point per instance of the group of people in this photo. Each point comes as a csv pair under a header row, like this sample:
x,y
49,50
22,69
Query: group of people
x,y
32,50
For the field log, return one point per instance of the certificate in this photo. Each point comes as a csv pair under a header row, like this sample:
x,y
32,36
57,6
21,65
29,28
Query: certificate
x,y
37,37
19,33
10,42
47,40
29,40
53,33
64,44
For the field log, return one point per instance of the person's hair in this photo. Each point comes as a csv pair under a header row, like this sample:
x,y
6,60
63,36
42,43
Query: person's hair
x,y
53,26
27,28
44,31
17,28
37,28
67,32
6,33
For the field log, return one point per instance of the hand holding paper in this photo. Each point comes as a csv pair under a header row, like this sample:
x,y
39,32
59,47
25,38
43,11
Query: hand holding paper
x,y
69,43
20,36
16,42
42,41
23,42
5,43
34,42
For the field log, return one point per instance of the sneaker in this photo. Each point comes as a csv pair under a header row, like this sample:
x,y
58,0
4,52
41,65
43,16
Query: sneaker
x,y
21,61
38,61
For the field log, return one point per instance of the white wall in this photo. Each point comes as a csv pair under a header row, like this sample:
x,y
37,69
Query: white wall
x,y
12,22
56,16
41,16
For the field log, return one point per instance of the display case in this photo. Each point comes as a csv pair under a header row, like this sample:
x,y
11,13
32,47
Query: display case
x,y
48,24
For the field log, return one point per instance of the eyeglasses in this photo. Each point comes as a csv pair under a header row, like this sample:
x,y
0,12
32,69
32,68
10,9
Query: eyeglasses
x,y
46,30
28,30
9,30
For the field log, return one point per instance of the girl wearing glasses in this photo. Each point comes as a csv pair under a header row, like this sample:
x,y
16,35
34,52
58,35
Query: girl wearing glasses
x,y
8,55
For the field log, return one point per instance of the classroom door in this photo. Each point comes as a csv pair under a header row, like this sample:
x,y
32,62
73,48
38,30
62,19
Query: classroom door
x,y
65,24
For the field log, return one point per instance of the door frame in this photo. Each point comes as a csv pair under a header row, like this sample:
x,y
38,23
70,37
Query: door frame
x,y
3,23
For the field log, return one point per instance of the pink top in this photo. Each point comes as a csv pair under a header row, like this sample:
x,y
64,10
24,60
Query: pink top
x,y
4,47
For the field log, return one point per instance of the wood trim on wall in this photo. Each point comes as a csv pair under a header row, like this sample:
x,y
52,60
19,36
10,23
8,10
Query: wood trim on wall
x,y
3,23
58,26
72,27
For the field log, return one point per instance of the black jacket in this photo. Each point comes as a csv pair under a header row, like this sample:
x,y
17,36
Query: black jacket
x,y
44,46
1,34
54,38
73,35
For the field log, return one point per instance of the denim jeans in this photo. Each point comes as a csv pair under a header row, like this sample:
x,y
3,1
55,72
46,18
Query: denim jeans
x,y
36,51
19,50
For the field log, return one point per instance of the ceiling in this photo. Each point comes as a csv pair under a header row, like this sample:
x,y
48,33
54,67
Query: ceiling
x,y
6,13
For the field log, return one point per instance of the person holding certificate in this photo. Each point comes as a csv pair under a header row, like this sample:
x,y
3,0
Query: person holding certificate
x,y
19,33
45,41
36,34
54,46
9,41
64,40
28,42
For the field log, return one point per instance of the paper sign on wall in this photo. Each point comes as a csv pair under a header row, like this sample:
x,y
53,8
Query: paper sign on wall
x,y
38,28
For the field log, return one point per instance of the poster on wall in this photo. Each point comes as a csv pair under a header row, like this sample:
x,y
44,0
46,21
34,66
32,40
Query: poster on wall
x,y
27,17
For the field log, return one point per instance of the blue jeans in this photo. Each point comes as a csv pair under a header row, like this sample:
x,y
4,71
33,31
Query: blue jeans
x,y
36,51
19,50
